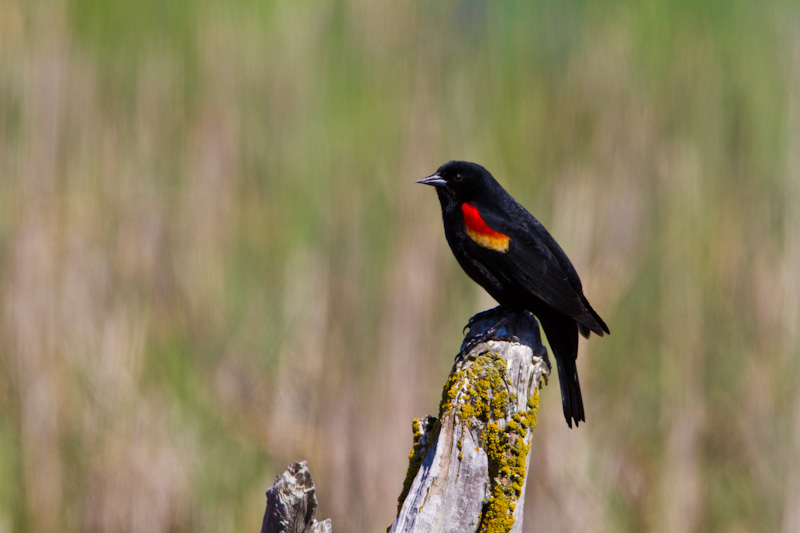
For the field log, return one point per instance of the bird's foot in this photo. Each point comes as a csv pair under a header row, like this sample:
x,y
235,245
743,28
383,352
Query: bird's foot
x,y
483,315
467,348
485,336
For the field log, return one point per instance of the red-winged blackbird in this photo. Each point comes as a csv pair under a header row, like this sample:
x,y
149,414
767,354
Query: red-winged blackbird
x,y
500,245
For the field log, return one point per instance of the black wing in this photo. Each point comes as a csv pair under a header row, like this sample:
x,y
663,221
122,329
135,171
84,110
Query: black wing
x,y
538,266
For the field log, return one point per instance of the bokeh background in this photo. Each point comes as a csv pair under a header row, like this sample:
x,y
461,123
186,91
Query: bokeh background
x,y
214,261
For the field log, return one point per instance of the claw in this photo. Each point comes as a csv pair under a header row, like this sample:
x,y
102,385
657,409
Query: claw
x,y
471,322
460,356
480,316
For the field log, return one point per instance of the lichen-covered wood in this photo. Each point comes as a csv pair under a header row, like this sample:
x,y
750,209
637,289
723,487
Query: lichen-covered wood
x,y
468,469
292,503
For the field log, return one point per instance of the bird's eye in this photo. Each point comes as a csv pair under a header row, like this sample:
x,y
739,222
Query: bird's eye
x,y
458,177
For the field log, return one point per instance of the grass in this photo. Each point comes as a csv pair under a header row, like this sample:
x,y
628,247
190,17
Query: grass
x,y
213,260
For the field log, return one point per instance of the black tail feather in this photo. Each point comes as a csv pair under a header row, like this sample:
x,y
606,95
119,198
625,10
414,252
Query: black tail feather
x,y
562,334
590,321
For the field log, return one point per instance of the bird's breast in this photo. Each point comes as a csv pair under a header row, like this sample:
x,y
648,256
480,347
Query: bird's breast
x,y
479,231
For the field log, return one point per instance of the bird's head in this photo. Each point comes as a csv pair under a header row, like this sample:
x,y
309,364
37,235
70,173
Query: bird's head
x,y
459,181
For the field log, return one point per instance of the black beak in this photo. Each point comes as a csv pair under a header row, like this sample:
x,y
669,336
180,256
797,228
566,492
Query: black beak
x,y
436,180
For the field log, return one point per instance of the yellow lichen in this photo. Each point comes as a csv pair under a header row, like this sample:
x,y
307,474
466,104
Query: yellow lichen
x,y
482,395
417,455
507,454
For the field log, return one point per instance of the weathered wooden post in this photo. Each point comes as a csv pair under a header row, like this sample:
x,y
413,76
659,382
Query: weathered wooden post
x,y
468,469
292,504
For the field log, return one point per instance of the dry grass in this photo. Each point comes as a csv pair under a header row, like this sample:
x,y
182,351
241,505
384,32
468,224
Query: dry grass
x,y
213,260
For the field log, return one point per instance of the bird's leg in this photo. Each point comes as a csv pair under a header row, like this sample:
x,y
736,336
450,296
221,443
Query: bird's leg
x,y
486,335
480,316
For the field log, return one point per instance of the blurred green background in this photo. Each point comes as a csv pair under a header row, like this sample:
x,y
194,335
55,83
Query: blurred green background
x,y
214,261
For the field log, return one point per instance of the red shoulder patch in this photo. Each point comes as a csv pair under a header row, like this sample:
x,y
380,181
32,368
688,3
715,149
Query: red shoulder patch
x,y
480,232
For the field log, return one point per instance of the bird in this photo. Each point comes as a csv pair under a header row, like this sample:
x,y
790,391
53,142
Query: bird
x,y
509,253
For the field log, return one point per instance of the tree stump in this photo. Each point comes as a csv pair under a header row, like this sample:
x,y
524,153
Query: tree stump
x,y
468,469
292,503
